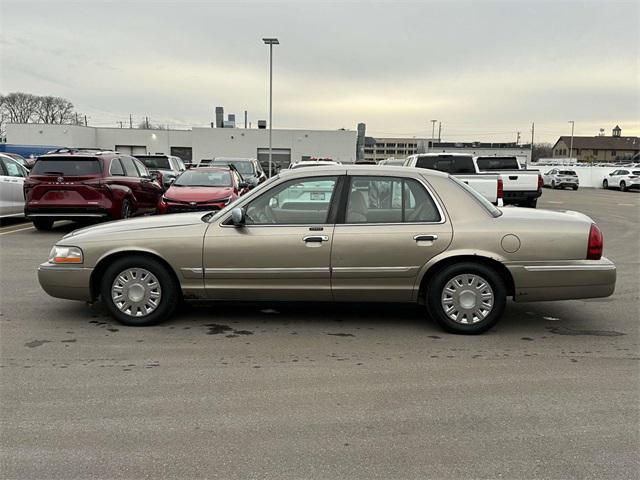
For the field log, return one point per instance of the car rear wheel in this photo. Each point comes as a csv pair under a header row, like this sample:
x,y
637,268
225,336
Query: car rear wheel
x,y
623,186
125,210
575,187
466,298
139,291
43,223
605,184
530,203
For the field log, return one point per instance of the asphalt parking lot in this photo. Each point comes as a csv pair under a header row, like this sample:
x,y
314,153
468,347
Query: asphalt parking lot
x,y
323,391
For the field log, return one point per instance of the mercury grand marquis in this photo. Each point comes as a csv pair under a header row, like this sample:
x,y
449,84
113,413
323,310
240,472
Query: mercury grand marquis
x,y
343,234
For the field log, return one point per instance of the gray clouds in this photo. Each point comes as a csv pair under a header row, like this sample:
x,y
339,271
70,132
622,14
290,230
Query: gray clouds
x,y
480,67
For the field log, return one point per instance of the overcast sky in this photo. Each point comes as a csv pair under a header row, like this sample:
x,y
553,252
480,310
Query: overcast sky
x,y
485,69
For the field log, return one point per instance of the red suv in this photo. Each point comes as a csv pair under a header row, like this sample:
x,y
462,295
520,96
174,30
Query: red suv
x,y
84,184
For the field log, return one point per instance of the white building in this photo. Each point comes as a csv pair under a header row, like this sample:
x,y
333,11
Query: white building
x,y
195,144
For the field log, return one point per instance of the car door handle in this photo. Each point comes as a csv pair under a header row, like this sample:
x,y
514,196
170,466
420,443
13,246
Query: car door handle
x,y
316,238
425,238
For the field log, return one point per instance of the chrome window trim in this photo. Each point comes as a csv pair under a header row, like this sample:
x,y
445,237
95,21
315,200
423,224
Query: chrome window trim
x,y
419,179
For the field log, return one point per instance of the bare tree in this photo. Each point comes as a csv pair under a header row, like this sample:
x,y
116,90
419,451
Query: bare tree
x,y
55,110
20,107
541,150
147,125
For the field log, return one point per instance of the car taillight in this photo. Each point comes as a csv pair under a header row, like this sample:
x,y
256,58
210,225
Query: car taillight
x,y
596,243
540,182
500,188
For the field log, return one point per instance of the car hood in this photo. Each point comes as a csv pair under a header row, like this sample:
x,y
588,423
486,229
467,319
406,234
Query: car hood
x,y
197,194
144,223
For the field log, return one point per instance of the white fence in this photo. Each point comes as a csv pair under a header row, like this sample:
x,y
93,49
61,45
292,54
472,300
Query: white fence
x,y
589,176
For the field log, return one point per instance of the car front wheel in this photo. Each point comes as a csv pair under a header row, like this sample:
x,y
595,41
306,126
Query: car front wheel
x,y
139,291
623,186
466,298
605,184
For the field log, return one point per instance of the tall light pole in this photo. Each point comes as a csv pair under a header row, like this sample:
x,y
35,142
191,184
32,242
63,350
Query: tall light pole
x,y
573,124
433,131
271,42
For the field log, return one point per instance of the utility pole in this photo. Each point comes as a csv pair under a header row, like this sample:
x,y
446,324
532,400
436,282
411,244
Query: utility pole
x,y
130,121
573,124
533,129
433,132
439,131
85,120
518,139
245,119
120,123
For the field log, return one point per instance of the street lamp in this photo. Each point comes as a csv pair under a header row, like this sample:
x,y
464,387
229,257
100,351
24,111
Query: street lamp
x,y
573,124
271,42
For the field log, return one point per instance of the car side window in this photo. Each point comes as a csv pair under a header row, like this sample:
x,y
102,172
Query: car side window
x,y
142,170
116,168
13,169
129,167
623,172
389,200
302,201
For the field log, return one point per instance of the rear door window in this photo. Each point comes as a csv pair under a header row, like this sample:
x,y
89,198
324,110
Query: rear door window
x,y
116,168
129,167
12,168
498,163
142,170
67,166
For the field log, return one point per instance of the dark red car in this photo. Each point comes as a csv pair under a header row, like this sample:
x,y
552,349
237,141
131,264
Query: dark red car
x,y
207,189
84,184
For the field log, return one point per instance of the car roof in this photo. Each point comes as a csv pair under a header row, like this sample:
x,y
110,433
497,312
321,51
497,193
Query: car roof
x,y
351,169
438,154
213,169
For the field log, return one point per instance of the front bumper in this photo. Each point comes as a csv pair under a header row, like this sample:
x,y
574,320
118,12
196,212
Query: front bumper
x,y
563,280
66,281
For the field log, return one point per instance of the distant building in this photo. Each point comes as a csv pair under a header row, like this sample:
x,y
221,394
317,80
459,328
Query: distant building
x,y
381,148
615,148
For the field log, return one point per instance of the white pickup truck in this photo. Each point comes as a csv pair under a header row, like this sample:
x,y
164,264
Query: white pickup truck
x,y
522,187
461,166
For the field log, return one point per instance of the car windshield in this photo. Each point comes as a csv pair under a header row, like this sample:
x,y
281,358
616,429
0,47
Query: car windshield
x,y
567,172
69,166
490,207
245,168
155,163
498,163
199,178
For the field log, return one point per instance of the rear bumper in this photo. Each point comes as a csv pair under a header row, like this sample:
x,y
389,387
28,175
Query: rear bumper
x,y
563,280
511,197
68,282
62,213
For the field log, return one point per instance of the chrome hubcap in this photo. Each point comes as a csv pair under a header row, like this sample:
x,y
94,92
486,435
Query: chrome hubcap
x,y
136,292
467,299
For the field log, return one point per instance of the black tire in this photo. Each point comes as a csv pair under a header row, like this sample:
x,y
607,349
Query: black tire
x,y
125,208
43,223
605,184
553,184
575,187
623,186
169,290
436,288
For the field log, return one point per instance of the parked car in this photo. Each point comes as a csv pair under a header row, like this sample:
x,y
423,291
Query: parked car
x,y
249,168
392,162
12,175
521,186
88,184
25,162
207,189
558,178
313,163
168,166
374,235
463,167
624,179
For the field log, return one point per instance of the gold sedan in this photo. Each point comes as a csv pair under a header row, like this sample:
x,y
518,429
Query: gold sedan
x,y
344,234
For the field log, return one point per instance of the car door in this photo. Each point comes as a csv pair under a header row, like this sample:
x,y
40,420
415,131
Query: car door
x,y
150,188
282,252
614,178
390,228
12,176
548,177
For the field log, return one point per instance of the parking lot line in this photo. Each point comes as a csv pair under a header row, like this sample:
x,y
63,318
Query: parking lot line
x,y
14,231
626,204
552,201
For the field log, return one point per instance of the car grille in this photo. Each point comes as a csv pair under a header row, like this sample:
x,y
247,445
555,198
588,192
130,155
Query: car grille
x,y
189,208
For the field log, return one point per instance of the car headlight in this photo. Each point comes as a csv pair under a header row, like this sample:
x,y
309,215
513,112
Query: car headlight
x,y
62,254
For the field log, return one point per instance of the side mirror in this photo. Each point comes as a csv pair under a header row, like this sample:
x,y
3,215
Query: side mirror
x,y
154,175
171,180
238,216
611,174
243,185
